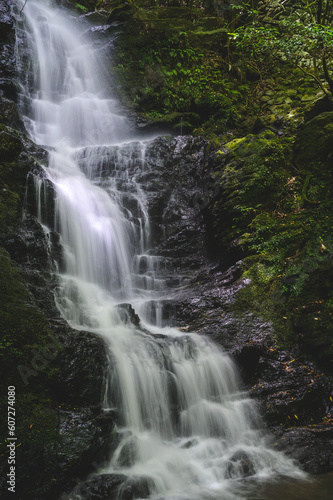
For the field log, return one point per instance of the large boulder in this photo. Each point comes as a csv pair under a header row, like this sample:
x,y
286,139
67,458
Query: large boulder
x,y
314,141
112,486
70,443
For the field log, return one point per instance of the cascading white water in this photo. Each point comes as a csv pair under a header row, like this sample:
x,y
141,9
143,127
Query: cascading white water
x,y
187,427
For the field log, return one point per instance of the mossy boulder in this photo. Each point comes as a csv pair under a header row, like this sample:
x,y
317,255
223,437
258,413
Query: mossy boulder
x,y
251,170
315,140
58,446
24,327
313,156
82,6
173,123
322,105
19,157
119,11
113,486
274,210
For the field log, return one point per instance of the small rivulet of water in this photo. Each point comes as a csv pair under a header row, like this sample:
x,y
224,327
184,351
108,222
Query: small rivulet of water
x,y
187,427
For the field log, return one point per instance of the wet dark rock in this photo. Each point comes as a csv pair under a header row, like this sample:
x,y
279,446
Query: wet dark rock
x,y
128,453
128,314
7,44
240,466
190,443
80,446
11,145
9,114
291,393
247,359
315,140
321,106
121,11
180,185
310,446
313,330
82,364
6,21
28,244
181,174
111,486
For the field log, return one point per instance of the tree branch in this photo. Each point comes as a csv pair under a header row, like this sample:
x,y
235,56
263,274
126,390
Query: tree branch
x,y
308,73
327,10
23,6
326,73
319,11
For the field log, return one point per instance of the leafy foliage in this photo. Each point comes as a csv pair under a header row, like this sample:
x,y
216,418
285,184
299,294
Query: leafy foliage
x,y
175,74
278,208
304,38
81,7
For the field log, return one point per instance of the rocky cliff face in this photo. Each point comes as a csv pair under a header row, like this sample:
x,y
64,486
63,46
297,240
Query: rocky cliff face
x,y
295,396
202,202
59,423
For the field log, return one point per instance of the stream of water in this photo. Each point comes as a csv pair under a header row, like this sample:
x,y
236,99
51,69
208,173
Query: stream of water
x,y
187,426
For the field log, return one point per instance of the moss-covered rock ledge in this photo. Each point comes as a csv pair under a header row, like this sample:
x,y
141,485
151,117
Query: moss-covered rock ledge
x,y
275,206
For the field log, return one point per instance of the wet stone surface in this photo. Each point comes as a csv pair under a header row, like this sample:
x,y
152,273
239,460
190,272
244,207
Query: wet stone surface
x,y
111,486
295,398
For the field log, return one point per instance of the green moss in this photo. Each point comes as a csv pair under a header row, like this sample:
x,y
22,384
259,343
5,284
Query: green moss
x,y
281,218
253,171
25,330
10,144
164,67
236,143
296,297
14,167
84,6
179,122
37,428
315,140
26,335
9,208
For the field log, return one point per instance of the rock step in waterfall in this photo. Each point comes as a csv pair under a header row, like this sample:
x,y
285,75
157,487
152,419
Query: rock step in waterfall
x,y
187,429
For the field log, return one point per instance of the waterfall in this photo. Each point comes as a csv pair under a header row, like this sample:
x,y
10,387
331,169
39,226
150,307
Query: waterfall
x,y
187,427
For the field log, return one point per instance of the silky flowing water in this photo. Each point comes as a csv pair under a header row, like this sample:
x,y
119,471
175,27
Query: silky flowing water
x,y
187,426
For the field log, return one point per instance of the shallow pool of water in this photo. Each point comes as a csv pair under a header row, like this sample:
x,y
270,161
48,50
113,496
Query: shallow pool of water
x,y
317,488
